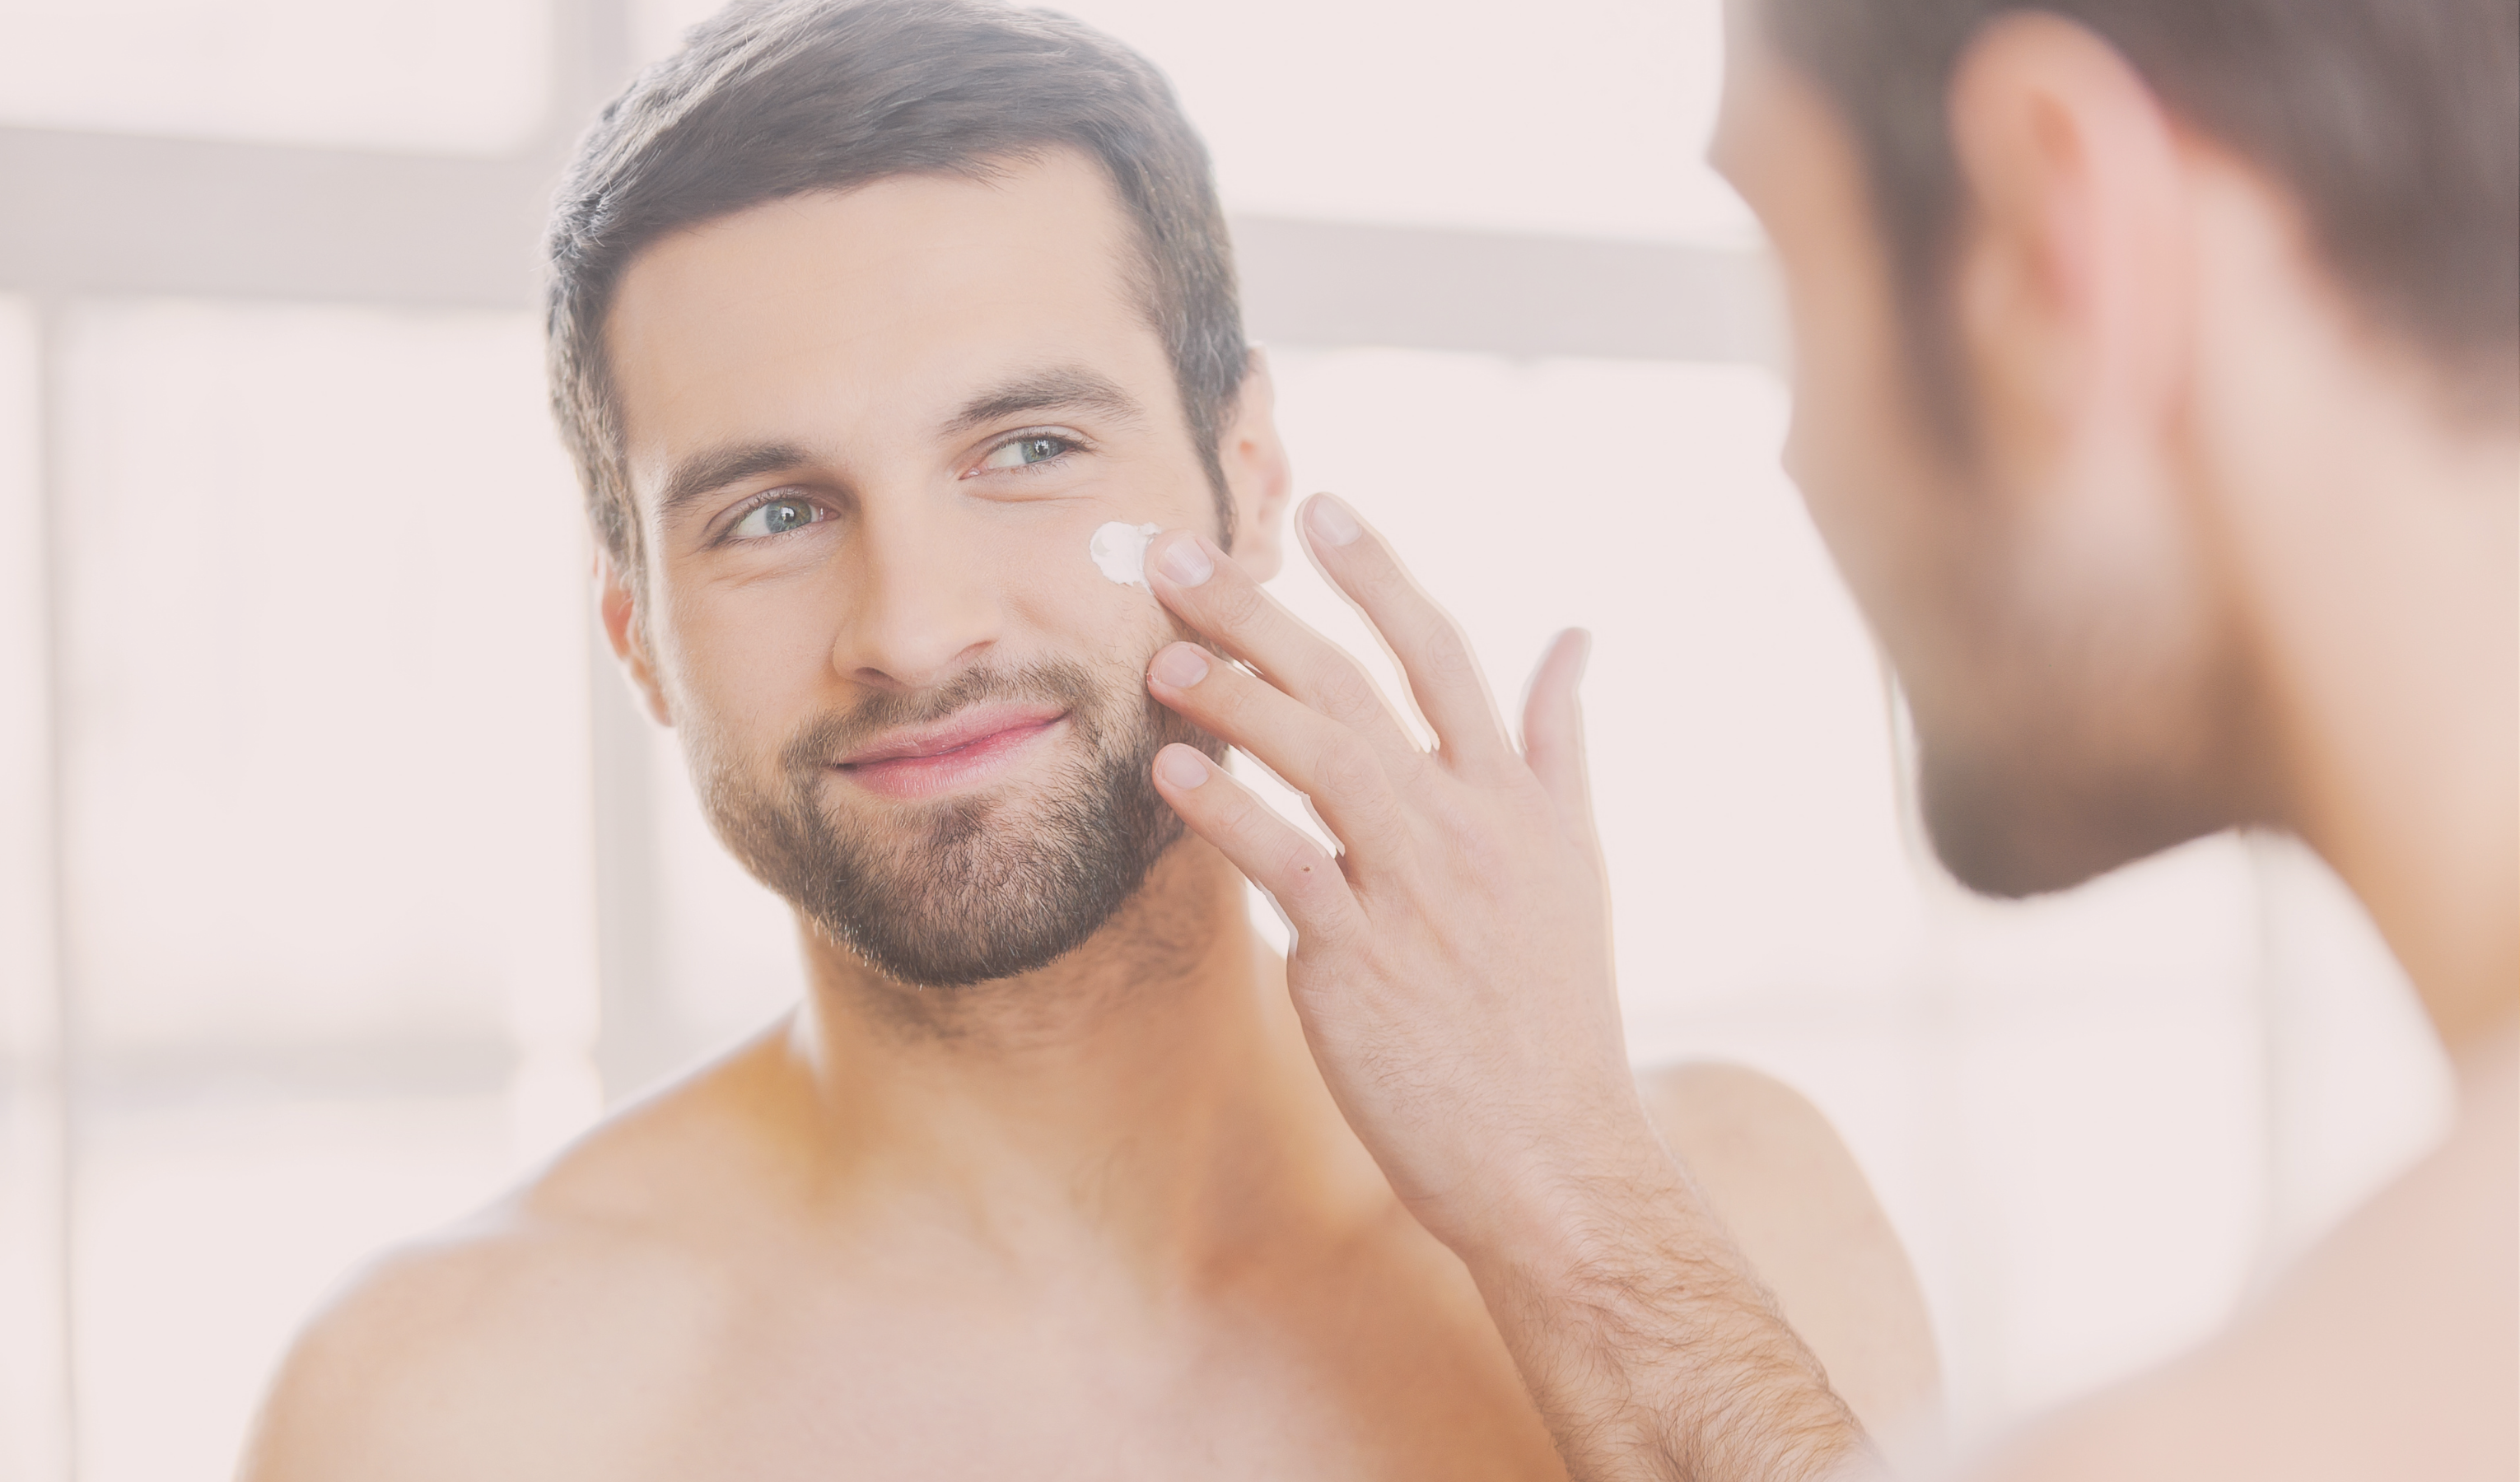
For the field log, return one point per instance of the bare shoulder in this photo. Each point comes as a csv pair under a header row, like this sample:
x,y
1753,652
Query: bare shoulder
x,y
530,1341
2393,1349
1802,1211
1728,1113
467,1355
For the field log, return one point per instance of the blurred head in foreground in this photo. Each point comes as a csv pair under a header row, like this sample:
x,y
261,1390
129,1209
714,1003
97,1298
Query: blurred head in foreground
x,y
864,318
2146,351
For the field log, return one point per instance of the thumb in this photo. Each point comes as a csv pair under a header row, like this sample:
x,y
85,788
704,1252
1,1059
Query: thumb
x,y
1553,728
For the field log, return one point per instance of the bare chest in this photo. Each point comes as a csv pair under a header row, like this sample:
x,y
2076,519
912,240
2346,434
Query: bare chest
x,y
1386,1380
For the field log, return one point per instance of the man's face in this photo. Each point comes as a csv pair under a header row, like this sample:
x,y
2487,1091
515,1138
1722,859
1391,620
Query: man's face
x,y
871,435
2074,703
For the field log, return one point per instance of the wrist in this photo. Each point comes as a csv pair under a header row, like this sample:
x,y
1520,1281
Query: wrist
x,y
1638,1322
1580,1204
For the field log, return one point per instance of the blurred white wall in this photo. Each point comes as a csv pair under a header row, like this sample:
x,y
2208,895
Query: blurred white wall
x,y
302,773
449,77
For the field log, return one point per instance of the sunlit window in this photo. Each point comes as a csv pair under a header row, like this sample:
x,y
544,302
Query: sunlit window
x,y
329,915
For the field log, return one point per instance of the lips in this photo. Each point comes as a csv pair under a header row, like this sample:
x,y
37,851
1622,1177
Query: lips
x,y
922,760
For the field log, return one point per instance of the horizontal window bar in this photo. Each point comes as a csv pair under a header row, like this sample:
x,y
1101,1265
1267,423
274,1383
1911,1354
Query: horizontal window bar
x,y
108,215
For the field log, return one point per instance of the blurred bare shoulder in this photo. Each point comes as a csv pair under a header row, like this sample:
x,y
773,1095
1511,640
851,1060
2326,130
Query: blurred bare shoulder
x,y
2393,1350
539,1339
1794,1199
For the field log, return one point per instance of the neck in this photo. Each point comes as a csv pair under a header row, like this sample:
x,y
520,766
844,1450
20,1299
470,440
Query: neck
x,y
2376,536
2402,747
1148,1094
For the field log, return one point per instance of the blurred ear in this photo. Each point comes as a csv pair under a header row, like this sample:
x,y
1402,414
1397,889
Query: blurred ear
x,y
618,605
2072,286
1256,472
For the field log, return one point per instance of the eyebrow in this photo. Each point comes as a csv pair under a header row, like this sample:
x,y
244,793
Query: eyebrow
x,y
701,474
1058,388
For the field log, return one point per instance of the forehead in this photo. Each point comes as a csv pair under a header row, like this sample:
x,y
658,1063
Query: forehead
x,y
838,308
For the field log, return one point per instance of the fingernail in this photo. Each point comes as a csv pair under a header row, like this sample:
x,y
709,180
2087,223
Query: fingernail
x,y
1333,523
1187,564
1180,667
1182,766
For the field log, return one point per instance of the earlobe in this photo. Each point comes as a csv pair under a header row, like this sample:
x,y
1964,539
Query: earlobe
x,y
1256,471
617,607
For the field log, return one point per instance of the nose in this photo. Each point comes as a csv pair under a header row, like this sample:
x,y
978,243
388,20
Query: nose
x,y
922,608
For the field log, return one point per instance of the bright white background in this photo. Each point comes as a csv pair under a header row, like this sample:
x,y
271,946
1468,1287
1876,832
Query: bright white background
x,y
320,759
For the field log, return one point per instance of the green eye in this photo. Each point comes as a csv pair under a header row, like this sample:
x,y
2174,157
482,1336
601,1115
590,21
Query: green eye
x,y
776,518
1036,447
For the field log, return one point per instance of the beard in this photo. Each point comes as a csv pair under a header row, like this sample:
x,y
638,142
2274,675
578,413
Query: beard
x,y
969,889
2012,827
2081,746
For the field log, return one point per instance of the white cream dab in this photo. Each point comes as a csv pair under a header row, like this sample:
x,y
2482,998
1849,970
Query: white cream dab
x,y
1119,551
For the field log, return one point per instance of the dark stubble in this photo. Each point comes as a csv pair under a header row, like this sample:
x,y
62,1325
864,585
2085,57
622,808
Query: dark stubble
x,y
967,889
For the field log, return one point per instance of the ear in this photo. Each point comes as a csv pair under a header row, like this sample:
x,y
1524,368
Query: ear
x,y
617,603
1256,471
2072,285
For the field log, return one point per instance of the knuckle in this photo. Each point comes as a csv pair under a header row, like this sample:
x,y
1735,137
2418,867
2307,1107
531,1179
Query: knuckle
x,y
1236,817
1306,867
1470,838
1448,656
1236,811
1227,694
1327,923
1347,769
1345,691
1310,886
1234,603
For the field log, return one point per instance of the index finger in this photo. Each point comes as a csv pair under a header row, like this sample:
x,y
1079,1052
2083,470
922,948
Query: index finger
x,y
1220,600
1433,652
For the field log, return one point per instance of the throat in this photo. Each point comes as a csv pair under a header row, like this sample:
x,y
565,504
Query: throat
x,y
1151,1091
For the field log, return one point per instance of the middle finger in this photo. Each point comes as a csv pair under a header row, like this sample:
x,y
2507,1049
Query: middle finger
x,y
1336,770
1221,601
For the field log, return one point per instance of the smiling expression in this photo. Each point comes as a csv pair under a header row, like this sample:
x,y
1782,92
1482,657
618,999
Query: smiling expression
x,y
869,435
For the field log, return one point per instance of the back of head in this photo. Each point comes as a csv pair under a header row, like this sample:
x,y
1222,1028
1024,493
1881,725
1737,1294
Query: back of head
x,y
2394,123
778,98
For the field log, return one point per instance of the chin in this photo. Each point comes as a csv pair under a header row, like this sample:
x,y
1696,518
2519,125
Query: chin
x,y
2010,829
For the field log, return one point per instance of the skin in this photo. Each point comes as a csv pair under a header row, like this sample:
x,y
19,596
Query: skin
x,y
2219,551
1102,1219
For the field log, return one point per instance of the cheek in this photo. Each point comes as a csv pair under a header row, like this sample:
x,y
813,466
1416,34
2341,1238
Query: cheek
x,y
1053,589
1842,452
1892,512
740,660
1837,357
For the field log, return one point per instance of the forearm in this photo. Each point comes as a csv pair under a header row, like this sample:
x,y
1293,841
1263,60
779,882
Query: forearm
x,y
1648,1345
1453,969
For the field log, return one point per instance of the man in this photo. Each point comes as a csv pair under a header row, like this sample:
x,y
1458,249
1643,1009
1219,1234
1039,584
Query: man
x,y
867,320
2158,391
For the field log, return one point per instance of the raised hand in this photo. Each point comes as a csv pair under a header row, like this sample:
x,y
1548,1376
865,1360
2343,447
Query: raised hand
x,y
1451,962
1452,966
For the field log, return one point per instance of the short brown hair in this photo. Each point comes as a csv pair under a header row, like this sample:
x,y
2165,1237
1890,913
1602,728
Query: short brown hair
x,y
778,98
2395,124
